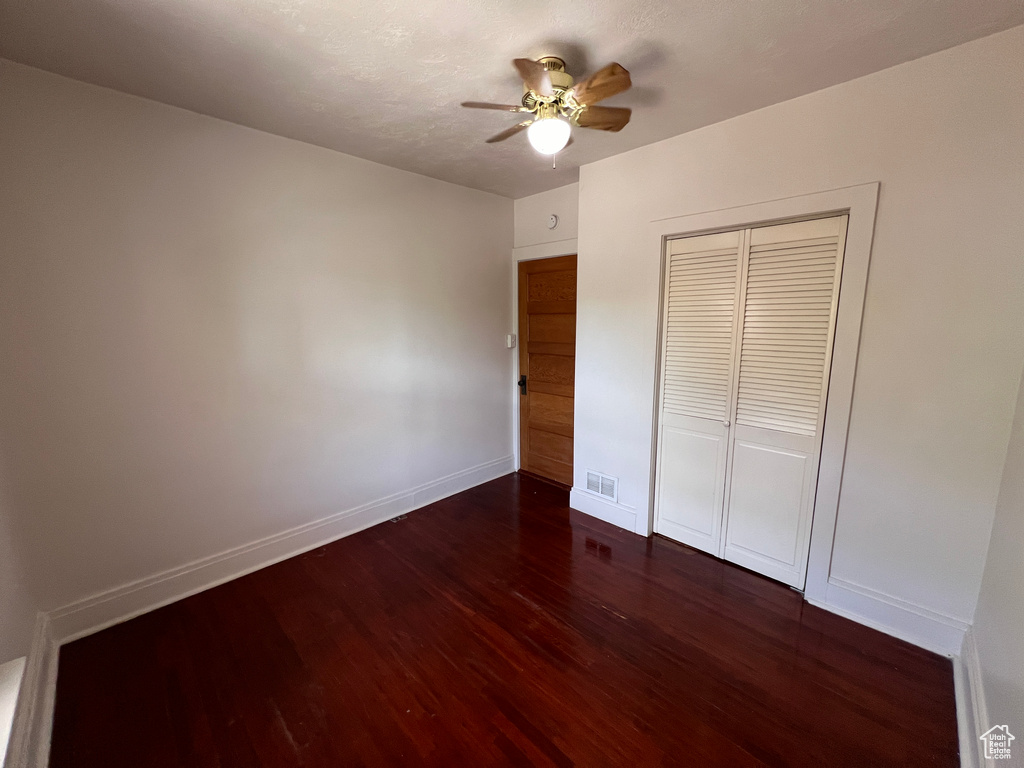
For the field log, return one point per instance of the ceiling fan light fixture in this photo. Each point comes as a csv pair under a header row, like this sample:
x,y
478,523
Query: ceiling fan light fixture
x,y
549,135
558,103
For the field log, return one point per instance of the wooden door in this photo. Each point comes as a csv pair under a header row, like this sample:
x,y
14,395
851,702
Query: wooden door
x,y
547,360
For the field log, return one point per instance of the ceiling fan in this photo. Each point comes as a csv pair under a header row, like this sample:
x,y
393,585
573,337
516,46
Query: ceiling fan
x,y
556,103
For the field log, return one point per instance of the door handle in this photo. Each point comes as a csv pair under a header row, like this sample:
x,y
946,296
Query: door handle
x,y
725,423
522,384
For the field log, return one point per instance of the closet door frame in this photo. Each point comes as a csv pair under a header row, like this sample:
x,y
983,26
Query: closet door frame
x,y
859,203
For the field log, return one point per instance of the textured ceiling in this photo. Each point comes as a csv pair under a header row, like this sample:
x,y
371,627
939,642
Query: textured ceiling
x,y
382,79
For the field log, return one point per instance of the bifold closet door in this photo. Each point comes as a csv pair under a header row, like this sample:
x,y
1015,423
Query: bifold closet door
x,y
786,331
701,296
748,322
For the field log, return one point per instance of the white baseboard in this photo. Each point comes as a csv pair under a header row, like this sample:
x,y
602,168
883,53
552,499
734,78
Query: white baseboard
x,y
33,719
609,511
971,708
113,606
964,714
915,624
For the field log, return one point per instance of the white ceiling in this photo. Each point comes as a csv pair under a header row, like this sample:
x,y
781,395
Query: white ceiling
x,y
382,79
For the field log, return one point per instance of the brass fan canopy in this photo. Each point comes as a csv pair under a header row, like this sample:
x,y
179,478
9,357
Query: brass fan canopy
x,y
561,81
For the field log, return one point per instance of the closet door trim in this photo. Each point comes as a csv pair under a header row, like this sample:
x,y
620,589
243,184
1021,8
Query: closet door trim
x,y
860,203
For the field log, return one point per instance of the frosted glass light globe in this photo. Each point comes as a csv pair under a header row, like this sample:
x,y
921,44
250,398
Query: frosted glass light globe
x,y
549,135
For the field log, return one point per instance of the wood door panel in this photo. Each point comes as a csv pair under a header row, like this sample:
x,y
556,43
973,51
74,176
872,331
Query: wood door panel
x,y
552,286
548,348
547,357
558,329
558,471
551,308
550,445
551,409
565,390
552,369
547,426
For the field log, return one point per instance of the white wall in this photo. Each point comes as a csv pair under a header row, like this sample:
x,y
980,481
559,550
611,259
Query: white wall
x,y
531,215
17,608
942,342
999,619
213,334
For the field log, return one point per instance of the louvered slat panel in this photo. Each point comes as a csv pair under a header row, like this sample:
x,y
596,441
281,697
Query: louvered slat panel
x,y
700,314
790,289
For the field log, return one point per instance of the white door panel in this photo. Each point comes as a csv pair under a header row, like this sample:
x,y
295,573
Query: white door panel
x,y
690,491
768,509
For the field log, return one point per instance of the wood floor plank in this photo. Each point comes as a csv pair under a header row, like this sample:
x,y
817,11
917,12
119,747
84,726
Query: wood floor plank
x,y
499,627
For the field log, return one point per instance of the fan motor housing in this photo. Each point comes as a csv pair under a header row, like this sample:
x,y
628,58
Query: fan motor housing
x,y
561,81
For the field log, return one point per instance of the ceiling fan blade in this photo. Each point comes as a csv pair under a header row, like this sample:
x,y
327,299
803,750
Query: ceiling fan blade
x,y
509,132
487,105
535,76
604,83
604,118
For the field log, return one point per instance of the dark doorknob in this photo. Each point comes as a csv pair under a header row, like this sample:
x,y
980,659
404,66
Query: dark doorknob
x,y
522,384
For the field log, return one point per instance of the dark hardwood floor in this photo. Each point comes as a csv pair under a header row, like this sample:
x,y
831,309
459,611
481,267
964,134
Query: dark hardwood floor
x,y
498,627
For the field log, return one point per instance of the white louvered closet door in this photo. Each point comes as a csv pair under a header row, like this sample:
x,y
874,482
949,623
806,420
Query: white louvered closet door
x,y
780,351
787,324
701,294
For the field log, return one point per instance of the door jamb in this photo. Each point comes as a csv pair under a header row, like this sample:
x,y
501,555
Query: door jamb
x,y
860,203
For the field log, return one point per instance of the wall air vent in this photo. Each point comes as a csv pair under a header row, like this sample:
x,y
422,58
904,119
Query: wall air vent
x,y
603,485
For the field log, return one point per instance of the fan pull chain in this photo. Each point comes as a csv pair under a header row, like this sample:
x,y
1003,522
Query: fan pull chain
x,y
553,156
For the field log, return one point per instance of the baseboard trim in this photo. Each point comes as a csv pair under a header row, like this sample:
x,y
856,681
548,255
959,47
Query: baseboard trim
x,y
917,625
964,714
609,511
971,707
113,606
33,719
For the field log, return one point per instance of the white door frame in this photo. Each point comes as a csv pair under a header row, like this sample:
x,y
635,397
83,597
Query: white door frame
x,y
860,202
529,253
